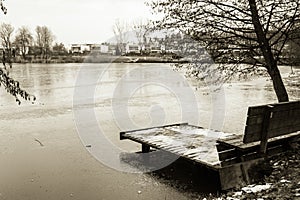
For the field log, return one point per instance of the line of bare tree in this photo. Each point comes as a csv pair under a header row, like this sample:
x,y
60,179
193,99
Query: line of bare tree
x,y
24,41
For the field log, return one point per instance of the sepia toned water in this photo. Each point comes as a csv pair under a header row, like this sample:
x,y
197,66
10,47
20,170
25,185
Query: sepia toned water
x,y
41,152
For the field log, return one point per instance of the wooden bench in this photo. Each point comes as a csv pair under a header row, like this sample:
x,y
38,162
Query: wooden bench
x,y
269,131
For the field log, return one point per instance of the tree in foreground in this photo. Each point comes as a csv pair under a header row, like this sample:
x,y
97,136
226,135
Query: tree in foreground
x,y
250,31
10,85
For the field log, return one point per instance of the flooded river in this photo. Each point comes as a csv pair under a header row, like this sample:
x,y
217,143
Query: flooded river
x,y
47,151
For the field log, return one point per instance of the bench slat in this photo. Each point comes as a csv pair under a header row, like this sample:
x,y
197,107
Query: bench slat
x,y
227,154
253,120
252,133
283,130
292,105
245,147
276,124
253,155
256,110
285,118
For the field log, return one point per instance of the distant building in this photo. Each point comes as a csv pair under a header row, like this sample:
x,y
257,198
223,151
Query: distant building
x,y
95,47
133,48
75,48
112,49
80,48
104,48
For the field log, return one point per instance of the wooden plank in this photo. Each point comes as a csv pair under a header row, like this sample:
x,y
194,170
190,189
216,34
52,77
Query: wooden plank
x,y
284,113
144,129
193,155
271,151
252,133
246,147
256,110
195,126
237,142
243,158
173,148
293,114
283,123
253,120
221,147
276,128
229,142
253,129
292,105
230,161
272,142
231,139
283,119
284,130
276,150
178,150
227,154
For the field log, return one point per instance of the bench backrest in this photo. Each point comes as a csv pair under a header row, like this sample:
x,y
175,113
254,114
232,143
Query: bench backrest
x,y
272,120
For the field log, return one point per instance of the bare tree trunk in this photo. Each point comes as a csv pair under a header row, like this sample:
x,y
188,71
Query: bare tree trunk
x,y
278,85
265,47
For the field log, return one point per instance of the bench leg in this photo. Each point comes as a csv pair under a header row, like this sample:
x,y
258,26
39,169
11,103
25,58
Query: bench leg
x,y
145,148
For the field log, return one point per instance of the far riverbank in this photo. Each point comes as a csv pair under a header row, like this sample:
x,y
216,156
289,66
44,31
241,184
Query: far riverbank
x,y
99,59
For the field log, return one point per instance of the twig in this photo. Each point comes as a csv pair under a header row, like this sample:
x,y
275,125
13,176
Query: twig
x,y
39,142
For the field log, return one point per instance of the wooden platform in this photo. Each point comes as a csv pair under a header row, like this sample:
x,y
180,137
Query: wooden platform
x,y
191,142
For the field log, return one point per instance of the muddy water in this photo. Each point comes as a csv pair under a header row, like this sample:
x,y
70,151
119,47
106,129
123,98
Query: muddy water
x,y
124,96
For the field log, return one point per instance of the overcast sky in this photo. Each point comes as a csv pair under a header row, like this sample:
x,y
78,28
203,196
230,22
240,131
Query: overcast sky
x,y
75,21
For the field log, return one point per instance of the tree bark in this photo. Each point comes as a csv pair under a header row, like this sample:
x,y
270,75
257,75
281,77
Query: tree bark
x,y
278,85
271,63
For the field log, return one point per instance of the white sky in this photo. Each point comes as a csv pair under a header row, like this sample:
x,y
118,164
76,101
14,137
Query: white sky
x,y
74,21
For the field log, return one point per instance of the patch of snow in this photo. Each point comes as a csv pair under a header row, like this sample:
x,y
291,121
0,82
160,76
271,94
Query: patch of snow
x,y
284,181
256,188
236,194
231,198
